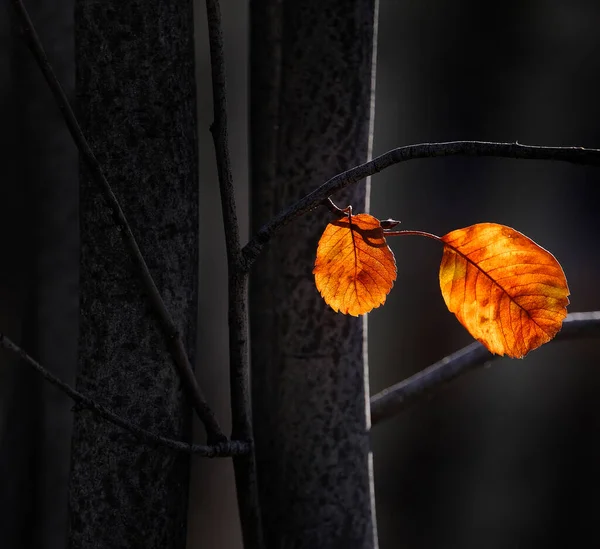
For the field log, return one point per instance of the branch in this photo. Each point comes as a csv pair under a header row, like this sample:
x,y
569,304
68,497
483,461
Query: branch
x,y
220,449
239,367
575,155
237,317
395,399
173,337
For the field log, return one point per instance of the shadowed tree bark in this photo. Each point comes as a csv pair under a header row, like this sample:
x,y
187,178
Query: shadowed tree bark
x,y
311,107
136,98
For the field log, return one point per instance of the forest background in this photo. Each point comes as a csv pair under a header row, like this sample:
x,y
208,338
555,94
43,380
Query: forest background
x,y
507,453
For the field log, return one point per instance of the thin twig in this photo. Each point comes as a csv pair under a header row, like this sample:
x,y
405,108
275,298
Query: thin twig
x,y
575,155
219,449
393,400
237,320
173,337
239,367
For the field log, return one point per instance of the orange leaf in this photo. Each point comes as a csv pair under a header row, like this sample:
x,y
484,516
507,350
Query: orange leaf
x,y
510,293
355,269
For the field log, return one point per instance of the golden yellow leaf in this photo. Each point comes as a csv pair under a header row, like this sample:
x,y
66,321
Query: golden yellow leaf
x,y
510,293
355,269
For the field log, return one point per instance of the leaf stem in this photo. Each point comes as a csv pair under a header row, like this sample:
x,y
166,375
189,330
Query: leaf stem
x,y
335,209
412,233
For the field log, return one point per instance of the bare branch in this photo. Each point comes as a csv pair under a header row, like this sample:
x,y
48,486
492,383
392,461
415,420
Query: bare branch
x,y
219,131
220,449
239,368
173,338
575,155
393,400
237,317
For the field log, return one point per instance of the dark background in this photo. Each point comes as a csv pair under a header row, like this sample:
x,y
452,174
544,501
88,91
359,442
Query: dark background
x,y
505,457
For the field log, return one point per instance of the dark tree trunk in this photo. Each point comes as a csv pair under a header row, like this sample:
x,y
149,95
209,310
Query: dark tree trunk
x,y
311,107
136,98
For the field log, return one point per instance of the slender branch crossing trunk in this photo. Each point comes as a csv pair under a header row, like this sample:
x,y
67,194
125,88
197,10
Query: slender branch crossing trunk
x,y
311,110
136,99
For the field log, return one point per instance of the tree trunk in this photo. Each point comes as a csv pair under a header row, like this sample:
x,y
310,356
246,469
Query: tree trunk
x,y
136,92
311,108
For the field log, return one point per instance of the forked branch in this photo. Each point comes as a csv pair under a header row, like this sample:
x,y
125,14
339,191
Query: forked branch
x,y
239,368
218,449
172,335
395,399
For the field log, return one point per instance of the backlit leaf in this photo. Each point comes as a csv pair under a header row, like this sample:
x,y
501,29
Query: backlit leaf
x,y
510,293
355,269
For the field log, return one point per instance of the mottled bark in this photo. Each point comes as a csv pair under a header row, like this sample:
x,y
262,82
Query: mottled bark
x,y
311,99
136,98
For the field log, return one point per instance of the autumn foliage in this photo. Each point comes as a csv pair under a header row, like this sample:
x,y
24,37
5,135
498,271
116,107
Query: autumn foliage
x,y
510,293
355,268
507,291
